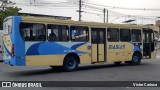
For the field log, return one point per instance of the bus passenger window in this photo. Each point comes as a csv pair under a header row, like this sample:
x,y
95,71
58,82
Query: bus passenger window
x,y
101,38
113,34
94,37
33,32
57,32
125,35
79,33
136,35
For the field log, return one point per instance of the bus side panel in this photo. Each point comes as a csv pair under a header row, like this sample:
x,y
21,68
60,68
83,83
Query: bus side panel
x,y
119,51
19,45
85,58
53,60
122,51
45,60
53,53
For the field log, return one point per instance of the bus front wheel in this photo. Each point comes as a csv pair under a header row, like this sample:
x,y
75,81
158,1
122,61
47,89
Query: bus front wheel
x,y
70,63
136,59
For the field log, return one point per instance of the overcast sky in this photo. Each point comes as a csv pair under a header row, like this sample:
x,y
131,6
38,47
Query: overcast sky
x,y
69,7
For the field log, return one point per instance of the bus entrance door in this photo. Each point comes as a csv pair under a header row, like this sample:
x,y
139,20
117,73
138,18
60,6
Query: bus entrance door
x,y
98,45
147,43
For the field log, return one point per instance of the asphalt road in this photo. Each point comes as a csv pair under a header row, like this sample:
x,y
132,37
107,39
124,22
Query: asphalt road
x,y
149,70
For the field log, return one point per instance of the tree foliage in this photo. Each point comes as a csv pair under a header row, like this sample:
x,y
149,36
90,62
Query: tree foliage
x,y
7,9
5,3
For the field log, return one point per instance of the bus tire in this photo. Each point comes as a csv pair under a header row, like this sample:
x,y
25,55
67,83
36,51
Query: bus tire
x,y
136,59
70,63
117,63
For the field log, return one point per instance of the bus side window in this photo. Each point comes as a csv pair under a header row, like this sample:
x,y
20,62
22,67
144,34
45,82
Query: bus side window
x,y
33,32
125,35
79,33
58,32
51,35
64,33
113,34
136,35
94,37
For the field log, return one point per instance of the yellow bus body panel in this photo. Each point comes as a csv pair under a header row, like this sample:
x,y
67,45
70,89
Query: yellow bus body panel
x,y
120,54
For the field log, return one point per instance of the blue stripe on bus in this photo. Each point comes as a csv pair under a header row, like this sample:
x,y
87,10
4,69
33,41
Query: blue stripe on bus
x,y
74,47
33,50
50,48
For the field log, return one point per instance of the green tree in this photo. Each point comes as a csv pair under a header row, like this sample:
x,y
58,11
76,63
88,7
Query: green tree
x,y
7,9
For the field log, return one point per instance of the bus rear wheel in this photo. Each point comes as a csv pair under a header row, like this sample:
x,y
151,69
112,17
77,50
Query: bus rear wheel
x,y
70,63
136,59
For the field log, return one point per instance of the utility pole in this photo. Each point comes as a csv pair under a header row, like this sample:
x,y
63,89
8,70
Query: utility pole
x,y
107,17
80,9
104,12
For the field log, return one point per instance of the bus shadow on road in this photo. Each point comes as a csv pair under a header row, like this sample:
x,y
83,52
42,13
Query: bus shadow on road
x,y
92,67
81,68
32,72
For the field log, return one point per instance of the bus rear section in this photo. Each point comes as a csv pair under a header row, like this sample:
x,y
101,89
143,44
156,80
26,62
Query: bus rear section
x,y
33,43
13,51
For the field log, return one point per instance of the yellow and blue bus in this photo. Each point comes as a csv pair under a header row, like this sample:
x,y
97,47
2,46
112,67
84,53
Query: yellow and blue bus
x,y
35,41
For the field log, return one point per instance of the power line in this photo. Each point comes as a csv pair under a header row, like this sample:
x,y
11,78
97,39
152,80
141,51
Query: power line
x,y
101,10
92,13
88,7
96,8
122,14
47,5
114,7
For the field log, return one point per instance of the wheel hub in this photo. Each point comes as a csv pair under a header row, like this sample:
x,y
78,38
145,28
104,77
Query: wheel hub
x,y
71,63
135,58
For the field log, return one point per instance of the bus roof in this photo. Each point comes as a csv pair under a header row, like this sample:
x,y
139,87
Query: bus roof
x,y
92,24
